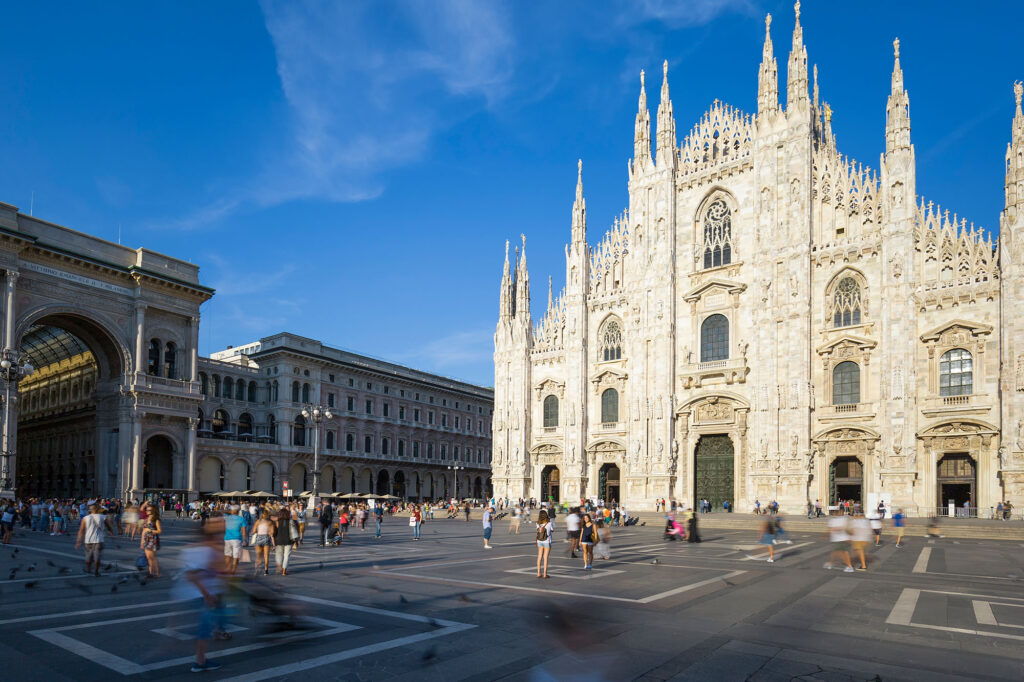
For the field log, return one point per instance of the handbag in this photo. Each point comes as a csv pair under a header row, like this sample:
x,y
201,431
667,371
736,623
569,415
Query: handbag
x,y
293,531
246,557
412,520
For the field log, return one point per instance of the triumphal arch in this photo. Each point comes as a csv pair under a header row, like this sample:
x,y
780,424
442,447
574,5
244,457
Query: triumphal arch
x,y
98,366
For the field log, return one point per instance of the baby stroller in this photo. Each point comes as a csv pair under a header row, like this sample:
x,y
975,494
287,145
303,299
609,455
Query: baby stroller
x,y
674,530
273,613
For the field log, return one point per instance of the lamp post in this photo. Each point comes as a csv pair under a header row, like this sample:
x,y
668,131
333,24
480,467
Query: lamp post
x,y
456,469
12,370
316,414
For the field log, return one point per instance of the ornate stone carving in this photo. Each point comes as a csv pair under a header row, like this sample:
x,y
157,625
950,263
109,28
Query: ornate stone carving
x,y
714,410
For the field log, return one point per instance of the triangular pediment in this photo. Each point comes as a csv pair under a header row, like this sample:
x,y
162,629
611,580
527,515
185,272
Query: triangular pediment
x,y
608,376
550,386
727,286
858,342
974,328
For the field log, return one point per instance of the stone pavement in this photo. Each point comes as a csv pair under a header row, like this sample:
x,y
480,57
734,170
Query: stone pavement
x,y
446,609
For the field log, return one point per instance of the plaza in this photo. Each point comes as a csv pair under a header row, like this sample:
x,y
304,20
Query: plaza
x,y
443,609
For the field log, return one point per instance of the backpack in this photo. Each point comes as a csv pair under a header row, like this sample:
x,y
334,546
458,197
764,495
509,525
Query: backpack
x,y
542,533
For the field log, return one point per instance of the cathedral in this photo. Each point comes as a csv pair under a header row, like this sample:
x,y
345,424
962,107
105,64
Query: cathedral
x,y
770,319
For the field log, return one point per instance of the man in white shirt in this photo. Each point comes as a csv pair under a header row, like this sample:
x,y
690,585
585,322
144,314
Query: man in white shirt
x,y
91,531
840,539
572,527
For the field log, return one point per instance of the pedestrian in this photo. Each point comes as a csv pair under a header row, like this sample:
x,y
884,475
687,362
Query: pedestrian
x,y
7,523
572,531
487,521
603,549
234,538
378,518
415,518
282,541
91,533
876,527
202,586
781,536
326,518
691,521
263,540
545,531
840,539
767,537
897,522
588,538
860,529
150,543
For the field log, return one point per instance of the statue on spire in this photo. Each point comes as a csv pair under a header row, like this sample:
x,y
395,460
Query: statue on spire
x,y
897,111
666,125
768,75
579,210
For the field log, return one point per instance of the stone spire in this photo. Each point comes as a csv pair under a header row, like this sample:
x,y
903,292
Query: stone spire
x,y
523,288
666,125
579,210
796,77
768,76
551,299
897,111
1015,159
642,132
505,297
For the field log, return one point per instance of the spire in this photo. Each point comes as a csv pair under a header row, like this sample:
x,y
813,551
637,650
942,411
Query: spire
x,y
1015,156
897,111
642,132
505,297
796,77
814,88
551,303
523,287
579,210
666,124
768,76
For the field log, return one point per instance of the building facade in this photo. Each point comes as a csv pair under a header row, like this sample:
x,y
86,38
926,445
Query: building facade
x,y
770,319
395,430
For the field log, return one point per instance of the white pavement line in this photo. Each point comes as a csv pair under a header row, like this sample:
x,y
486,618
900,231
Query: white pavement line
x,y
509,587
993,599
310,663
903,610
983,613
921,566
88,612
375,611
454,563
778,550
87,651
687,588
80,557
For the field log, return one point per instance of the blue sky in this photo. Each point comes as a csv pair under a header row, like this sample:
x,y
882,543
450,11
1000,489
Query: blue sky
x,y
351,170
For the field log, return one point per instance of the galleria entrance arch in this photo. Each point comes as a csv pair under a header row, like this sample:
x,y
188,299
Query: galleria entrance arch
x,y
110,335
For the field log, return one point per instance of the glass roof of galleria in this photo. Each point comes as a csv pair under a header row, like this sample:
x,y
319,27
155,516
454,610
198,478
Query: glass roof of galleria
x,y
44,345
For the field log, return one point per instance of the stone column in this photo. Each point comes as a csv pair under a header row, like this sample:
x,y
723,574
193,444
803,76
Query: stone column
x,y
12,279
140,337
137,454
124,449
191,458
193,363
8,466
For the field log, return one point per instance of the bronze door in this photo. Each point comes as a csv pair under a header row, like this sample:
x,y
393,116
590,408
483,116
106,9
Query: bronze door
x,y
713,470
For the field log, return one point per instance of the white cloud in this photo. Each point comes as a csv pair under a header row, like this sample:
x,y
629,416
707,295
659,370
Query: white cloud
x,y
455,350
676,14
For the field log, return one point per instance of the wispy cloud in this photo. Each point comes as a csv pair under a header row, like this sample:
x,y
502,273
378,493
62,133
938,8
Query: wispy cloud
x,y
676,14
230,280
455,350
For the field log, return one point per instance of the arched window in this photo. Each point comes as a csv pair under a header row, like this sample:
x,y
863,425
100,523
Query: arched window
x,y
154,358
550,411
252,391
171,360
611,341
846,303
330,440
229,388
239,389
305,393
350,442
221,422
717,235
273,396
245,427
204,384
846,384
714,339
216,386
300,430
956,372
609,406
295,391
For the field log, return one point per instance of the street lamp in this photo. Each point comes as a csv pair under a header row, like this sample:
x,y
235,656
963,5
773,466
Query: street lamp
x,y
12,370
456,470
316,414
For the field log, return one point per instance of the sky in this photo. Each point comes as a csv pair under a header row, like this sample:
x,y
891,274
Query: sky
x,y
350,171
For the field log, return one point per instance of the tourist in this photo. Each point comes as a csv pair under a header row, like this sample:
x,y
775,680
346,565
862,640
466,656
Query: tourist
x,y
840,539
263,539
7,523
203,587
513,525
587,537
603,549
572,531
284,532
378,518
234,538
326,518
876,526
487,521
767,537
90,533
545,531
898,521
691,530
860,530
150,543
415,519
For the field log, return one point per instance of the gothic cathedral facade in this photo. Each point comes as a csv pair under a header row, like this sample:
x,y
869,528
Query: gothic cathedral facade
x,y
770,319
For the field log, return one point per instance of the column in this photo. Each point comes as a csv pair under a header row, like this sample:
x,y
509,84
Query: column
x,y
136,477
191,457
124,449
12,279
8,467
140,337
193,362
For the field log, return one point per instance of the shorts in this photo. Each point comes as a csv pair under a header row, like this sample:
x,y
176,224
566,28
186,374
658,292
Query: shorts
x,y
211,619
876,531
262,541
487,533
92,552
588,543
574,534
768,539
233,548
841,546
544,543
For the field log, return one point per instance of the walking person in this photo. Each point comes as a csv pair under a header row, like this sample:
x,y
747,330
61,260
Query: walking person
x,y
488,523
860,529
150,543
282,542
91,533
513,525
234,538
691,532
415,518
263,540
378,518
603,549
876,527
202,585
588,537
897,522
767,538
545,531
840,539
572,530
326,518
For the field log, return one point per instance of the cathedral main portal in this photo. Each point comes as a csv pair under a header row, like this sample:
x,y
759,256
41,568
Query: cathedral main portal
x,y
714,470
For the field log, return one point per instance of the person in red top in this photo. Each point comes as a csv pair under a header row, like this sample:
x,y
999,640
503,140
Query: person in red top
x,y
415,519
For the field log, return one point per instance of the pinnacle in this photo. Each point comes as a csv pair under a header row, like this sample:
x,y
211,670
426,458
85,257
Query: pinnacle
x,y
896,47
767,22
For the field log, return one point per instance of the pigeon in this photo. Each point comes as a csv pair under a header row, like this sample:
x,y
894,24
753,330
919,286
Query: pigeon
x,y
63,570
50,564
430,653
32,567
30,584
14,572
113,588
81,588
123,580
464,598
644,523
402,599
655,561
